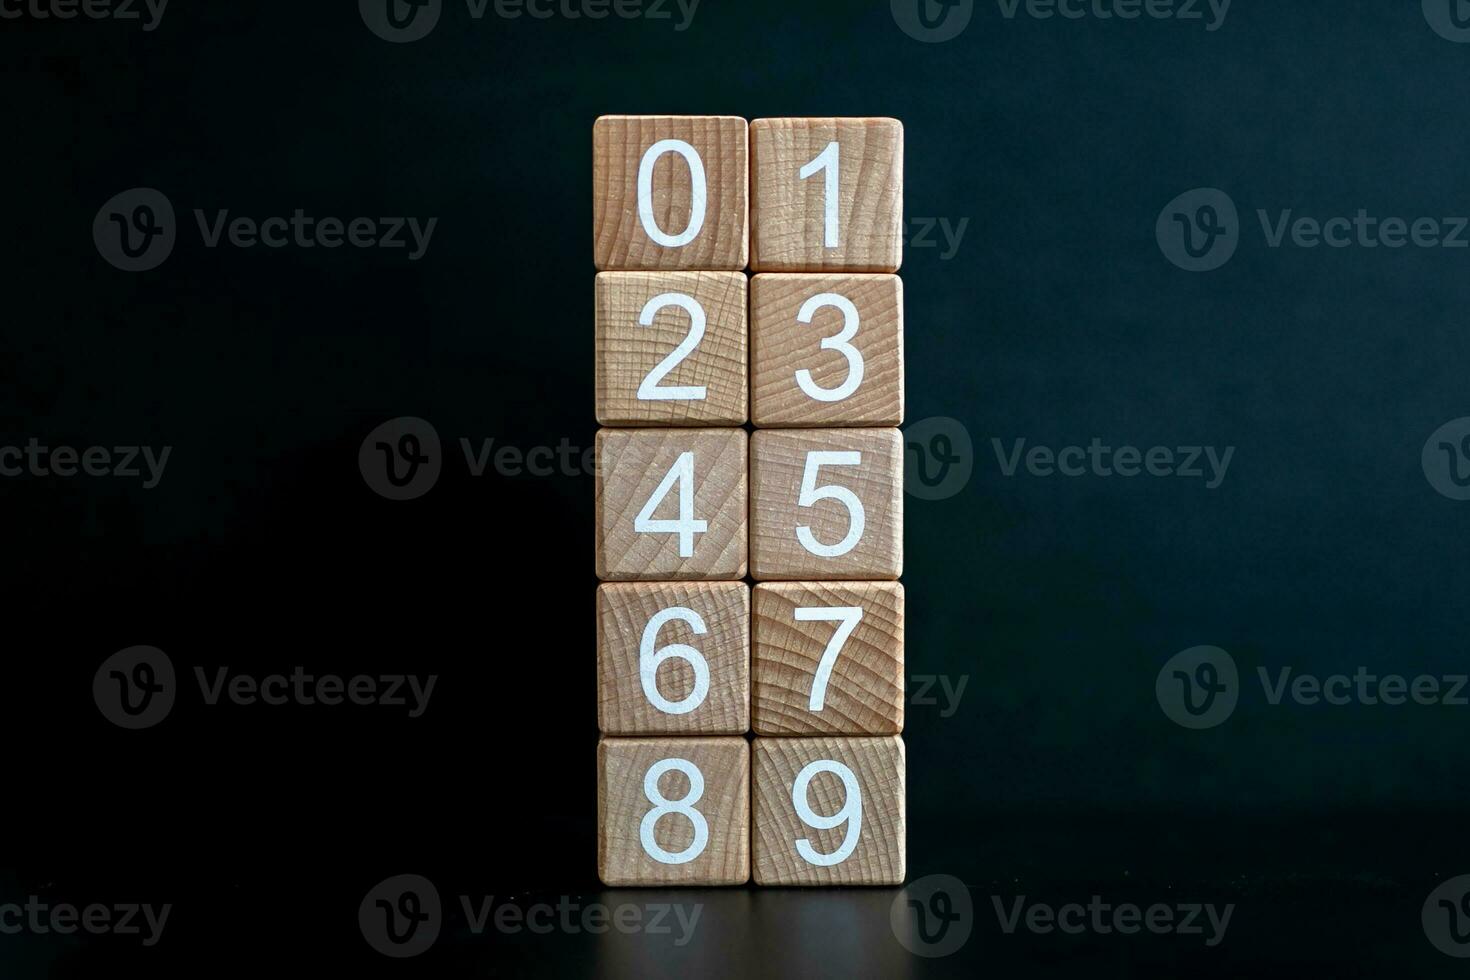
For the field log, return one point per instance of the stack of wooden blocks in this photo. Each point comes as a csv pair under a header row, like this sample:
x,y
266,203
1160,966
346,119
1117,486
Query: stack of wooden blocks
x,y
809,350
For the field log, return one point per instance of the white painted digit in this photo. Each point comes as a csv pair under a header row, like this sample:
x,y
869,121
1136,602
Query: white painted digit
x,y
829,160
846,618
811,494
699,193
650,659
686,527
838,343
850,814
649,390
684,807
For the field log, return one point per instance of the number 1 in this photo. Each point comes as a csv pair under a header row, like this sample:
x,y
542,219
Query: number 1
x,y
829,160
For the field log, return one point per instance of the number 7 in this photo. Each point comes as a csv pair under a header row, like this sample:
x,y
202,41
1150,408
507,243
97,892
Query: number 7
x,y
846,618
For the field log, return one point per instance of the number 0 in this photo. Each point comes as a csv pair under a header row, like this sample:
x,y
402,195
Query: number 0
x,y
698,200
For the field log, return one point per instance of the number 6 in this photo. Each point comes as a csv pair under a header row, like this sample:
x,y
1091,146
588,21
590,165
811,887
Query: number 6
x,y
649,661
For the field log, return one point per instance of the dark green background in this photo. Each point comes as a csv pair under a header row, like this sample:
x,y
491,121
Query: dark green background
x,y
1058,320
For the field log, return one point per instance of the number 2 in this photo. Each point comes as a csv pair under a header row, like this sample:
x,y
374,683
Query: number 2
x,y
828,160
650,390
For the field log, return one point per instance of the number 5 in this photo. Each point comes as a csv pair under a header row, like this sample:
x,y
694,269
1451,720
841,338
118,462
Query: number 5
x,y
811,494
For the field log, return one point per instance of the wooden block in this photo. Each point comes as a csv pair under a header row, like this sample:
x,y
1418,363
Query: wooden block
x,y
670,192
828,658
673,658
673,811
803,785
826,504
828,194
826,350
671,504
671,348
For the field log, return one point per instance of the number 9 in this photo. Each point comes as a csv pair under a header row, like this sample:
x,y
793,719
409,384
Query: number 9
x,y
850,814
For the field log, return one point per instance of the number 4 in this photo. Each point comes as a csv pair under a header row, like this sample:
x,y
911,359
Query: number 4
x,y
846,618
686,527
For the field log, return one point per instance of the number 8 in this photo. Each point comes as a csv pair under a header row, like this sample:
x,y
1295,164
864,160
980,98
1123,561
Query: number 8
x,y
850,814
684,807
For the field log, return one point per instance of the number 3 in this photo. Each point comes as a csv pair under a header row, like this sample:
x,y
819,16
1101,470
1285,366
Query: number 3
x,y
849,330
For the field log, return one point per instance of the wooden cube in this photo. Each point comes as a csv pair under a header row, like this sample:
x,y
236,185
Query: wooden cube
x,y
671,348
828,811
828,658
673,811
828,194
670,192
671,504
826,504
673,658
826,350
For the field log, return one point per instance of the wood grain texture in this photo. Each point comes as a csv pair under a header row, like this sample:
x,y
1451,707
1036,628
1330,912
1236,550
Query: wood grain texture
x,y
864,691
627,351
631,464
724,764
778,461
878,764
787,212
619,240
624,612
781,345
